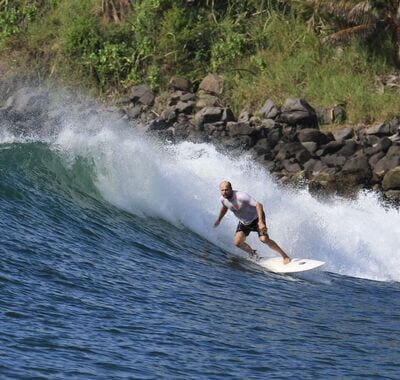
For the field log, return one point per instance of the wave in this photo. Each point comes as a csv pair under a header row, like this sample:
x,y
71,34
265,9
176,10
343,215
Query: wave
x,y
102,158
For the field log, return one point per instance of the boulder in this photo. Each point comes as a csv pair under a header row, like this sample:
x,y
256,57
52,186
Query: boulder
x,y
379,130
381,146
343,133
312,135
262,148
213,84
391,180
333,160
239,129
287,150
330,148
269,110
142,94
386,163
274,135
178,83
185,107
208,115
207,100
297,112
29,101
133,111
310,146
357,169
348,149
291,167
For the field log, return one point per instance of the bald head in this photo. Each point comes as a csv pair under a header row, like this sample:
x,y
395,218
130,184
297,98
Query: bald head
x,y
225,187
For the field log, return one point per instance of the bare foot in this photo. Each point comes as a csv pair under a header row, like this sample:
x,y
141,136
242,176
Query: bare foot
x,y
286,260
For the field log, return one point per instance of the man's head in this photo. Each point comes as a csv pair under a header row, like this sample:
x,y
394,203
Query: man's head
x,y
225,188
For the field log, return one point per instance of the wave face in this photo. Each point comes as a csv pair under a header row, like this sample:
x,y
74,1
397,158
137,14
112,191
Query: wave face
x,y
179,184
111,266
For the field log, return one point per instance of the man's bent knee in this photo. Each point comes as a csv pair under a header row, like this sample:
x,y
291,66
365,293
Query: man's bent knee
x,y
265,239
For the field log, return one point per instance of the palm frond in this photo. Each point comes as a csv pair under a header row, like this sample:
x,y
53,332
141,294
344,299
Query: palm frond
x,y
345,35
352,12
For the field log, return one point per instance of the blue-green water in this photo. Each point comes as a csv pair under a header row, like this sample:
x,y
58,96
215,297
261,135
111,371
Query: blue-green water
x,y
111,268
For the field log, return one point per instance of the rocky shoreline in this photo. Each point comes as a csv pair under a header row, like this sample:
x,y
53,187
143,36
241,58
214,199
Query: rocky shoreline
x,y
286,140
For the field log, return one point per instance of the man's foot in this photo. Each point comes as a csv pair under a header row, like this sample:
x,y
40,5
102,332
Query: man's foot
x,y
287,260
254,256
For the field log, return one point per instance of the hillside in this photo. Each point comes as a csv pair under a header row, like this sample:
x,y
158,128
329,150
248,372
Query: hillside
x,y
262,49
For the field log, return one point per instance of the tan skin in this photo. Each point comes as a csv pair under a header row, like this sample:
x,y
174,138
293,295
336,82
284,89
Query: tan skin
x,y
226,191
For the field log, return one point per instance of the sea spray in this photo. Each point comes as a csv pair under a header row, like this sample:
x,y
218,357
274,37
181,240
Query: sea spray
x,y
179,184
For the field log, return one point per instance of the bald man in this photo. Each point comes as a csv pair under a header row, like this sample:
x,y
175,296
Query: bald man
x,y
251,218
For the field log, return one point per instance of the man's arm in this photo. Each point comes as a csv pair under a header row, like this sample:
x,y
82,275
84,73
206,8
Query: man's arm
x,y
221,215
260,210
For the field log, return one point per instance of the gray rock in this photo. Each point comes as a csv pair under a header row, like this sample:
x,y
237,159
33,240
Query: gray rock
x,y
133,111
287,150
349,148
213,84
312,135
291,167
274,136
168,115
29,101
310,146
343,134
333,160
385,164
142,94
359,168
237,129
208,115
391,180
178,83
207,100
393,195
185,107
330,148
269,110
298,112
381,146
269,123
379,129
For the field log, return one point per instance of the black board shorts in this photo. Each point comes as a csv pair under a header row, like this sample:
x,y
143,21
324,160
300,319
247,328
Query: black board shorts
x,y
252,227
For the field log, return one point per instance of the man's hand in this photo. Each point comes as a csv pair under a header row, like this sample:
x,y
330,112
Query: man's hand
x,y
262,227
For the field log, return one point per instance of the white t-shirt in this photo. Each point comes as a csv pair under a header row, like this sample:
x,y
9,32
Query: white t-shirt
x,y
242,205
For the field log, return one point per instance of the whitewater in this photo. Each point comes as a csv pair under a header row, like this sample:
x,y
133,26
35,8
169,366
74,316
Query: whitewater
x,y
111,266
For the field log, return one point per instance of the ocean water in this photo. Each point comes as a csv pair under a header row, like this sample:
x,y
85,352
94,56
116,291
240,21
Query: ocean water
x,y
111,268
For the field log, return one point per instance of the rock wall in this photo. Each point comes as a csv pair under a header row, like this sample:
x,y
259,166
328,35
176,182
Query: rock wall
x,y
287,140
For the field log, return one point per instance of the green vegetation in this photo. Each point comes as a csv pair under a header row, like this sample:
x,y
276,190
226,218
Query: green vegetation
x,y
328,52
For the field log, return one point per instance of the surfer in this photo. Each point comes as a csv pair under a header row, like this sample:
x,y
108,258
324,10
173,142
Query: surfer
x,y
251,218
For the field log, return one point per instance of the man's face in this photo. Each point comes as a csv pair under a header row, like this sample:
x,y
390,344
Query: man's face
x,y
226,190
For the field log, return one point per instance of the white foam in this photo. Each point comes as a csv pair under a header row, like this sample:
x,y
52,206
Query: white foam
x,y
180,184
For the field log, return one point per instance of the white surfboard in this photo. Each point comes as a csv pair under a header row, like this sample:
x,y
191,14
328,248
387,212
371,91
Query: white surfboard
x,y
276,265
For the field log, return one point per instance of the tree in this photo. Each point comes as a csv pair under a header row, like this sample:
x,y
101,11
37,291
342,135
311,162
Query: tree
x,y
355,18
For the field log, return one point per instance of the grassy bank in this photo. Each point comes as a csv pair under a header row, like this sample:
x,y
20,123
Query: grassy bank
x,y
263,49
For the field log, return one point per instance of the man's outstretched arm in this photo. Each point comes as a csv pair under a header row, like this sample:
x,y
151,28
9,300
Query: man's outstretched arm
x,y
221,215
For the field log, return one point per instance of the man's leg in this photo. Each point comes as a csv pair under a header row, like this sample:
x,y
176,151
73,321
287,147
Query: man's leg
x,y
239,241
275,247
